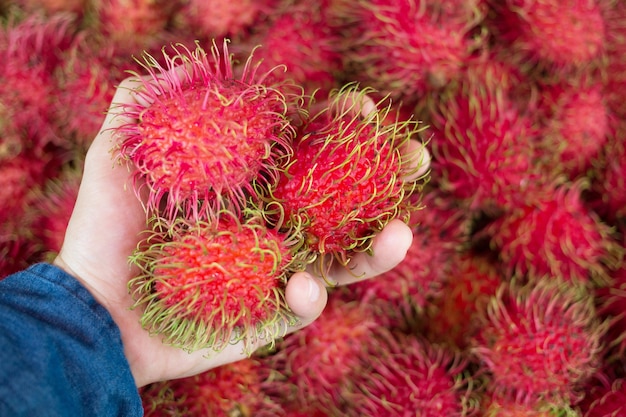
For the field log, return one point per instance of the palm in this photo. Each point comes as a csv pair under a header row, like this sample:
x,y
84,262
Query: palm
x,y
106,227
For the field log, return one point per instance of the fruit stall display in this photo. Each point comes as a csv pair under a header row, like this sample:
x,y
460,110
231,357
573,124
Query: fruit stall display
x,y
511,300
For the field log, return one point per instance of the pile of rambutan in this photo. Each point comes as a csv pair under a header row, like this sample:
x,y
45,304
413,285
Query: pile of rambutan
x,y
272,136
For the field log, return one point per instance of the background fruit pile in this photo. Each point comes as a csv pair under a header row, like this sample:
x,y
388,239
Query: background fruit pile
x,y
512,299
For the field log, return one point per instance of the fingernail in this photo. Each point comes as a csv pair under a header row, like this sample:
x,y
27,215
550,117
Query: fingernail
x,y
314,290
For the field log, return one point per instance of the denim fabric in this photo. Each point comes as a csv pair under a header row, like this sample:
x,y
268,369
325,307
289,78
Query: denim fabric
x,y
61,353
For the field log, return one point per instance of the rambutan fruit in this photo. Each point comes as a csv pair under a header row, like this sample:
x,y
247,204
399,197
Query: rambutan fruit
x,y
614,12
51,7
29,53
209,19
494,405
611,306
574,126
540,342
208,285
554,234
205,140
86,80
346,180
468,287
131,26
403,50
605,401
406,375
606,195
233,389
401,294
481,146
53,206
316,366
557,35
305,43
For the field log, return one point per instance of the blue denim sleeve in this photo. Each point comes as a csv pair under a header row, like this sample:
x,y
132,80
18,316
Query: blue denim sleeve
x,y
61,353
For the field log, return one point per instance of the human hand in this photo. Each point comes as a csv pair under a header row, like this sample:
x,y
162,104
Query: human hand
x,y
105,229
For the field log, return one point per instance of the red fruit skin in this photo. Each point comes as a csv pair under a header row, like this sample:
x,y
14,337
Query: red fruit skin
x,y
317,364
132,26
232,389
410,376
219,18
29,54
614,13
554,234
404,51
607,195
206,141
399,296
305,44
540,342
468,287
87,80
344,183
605,400
50,7
207,285
559,35
481,146
494,405
574,126
53,207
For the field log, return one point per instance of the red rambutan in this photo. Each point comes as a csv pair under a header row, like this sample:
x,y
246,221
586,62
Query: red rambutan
x,y
605,401
405,375
346,180
30,51
317,364
494,405
86,80
130,26
208,285
403,49
467,289
205,140
554,234
614,12
556,34
574,126
481,146
217,18
607,195
305,43
400,294
540,342
230,390
53,207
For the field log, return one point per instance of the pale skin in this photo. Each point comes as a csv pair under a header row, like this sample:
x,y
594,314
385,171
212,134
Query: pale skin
x,y
104,230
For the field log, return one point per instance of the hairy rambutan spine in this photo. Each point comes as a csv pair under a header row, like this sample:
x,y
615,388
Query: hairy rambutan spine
x,y
346,180
206,285
540,341
407,375
206,140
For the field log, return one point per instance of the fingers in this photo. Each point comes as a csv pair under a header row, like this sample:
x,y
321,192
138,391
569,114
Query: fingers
x,y
419,158
389,249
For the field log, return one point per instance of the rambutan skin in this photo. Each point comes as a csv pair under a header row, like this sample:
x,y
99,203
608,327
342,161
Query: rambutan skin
x,y
407,376
399,296
206,140
316,365
346,178
555,234
481,146
205,285
554,34
404,50
540,341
